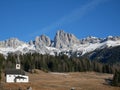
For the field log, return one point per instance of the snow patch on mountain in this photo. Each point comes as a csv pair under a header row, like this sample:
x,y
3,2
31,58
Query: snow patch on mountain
x,y
64,43
23,49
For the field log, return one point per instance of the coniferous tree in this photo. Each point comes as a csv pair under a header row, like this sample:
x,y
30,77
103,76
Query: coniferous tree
x,y
61,63
116,79
1,66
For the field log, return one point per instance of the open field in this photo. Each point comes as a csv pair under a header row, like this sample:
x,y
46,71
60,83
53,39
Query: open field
x,y
65,81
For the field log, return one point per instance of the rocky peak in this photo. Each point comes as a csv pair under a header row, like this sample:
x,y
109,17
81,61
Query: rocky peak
x,y
63,39
12,42
114,38
90,39
46,40
111,38
31,42
63,42
43,40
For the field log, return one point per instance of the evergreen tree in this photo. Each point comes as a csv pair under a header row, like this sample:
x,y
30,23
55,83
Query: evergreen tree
x,y
116,79
61,63
1,65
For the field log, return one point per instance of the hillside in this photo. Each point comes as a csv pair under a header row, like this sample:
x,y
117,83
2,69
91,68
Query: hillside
x,y
65,81
107,55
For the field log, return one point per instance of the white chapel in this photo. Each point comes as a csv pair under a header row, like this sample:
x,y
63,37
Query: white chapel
x,y
16,75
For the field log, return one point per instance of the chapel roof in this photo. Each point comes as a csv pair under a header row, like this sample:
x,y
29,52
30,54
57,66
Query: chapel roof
x,y
14,71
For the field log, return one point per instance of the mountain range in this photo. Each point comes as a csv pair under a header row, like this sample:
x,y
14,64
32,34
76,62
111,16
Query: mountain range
x,y
63,43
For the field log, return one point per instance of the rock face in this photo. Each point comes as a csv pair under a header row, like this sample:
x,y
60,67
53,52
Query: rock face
x,y
112,38
45,40
40,44
64,40
90,39
42,41
13,42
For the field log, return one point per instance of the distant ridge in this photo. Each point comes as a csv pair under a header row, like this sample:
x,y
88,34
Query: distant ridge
x,y
63,43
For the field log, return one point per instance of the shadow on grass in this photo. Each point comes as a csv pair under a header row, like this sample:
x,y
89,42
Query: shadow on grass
x,y
108,81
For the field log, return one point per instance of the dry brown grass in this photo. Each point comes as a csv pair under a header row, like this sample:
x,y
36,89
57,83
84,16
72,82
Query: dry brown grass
x,y
78,80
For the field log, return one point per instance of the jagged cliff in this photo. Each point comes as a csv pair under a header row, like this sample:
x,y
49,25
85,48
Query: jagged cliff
x,y
63,42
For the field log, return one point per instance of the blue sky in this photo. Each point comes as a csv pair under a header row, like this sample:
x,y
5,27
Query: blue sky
x,y
26,19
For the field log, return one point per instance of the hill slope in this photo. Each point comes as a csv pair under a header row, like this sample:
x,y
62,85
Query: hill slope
x,y
107,55
65,81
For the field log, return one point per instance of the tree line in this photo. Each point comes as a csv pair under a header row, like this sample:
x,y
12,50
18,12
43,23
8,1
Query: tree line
x,y
61,63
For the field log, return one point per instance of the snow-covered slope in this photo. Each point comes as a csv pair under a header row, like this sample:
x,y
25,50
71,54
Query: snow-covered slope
x,y
64,43
25,48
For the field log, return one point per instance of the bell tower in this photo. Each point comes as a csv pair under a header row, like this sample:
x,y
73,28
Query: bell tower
x,y
18,63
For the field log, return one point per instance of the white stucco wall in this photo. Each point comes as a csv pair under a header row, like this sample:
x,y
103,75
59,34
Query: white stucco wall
x,y
23,80
11,78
